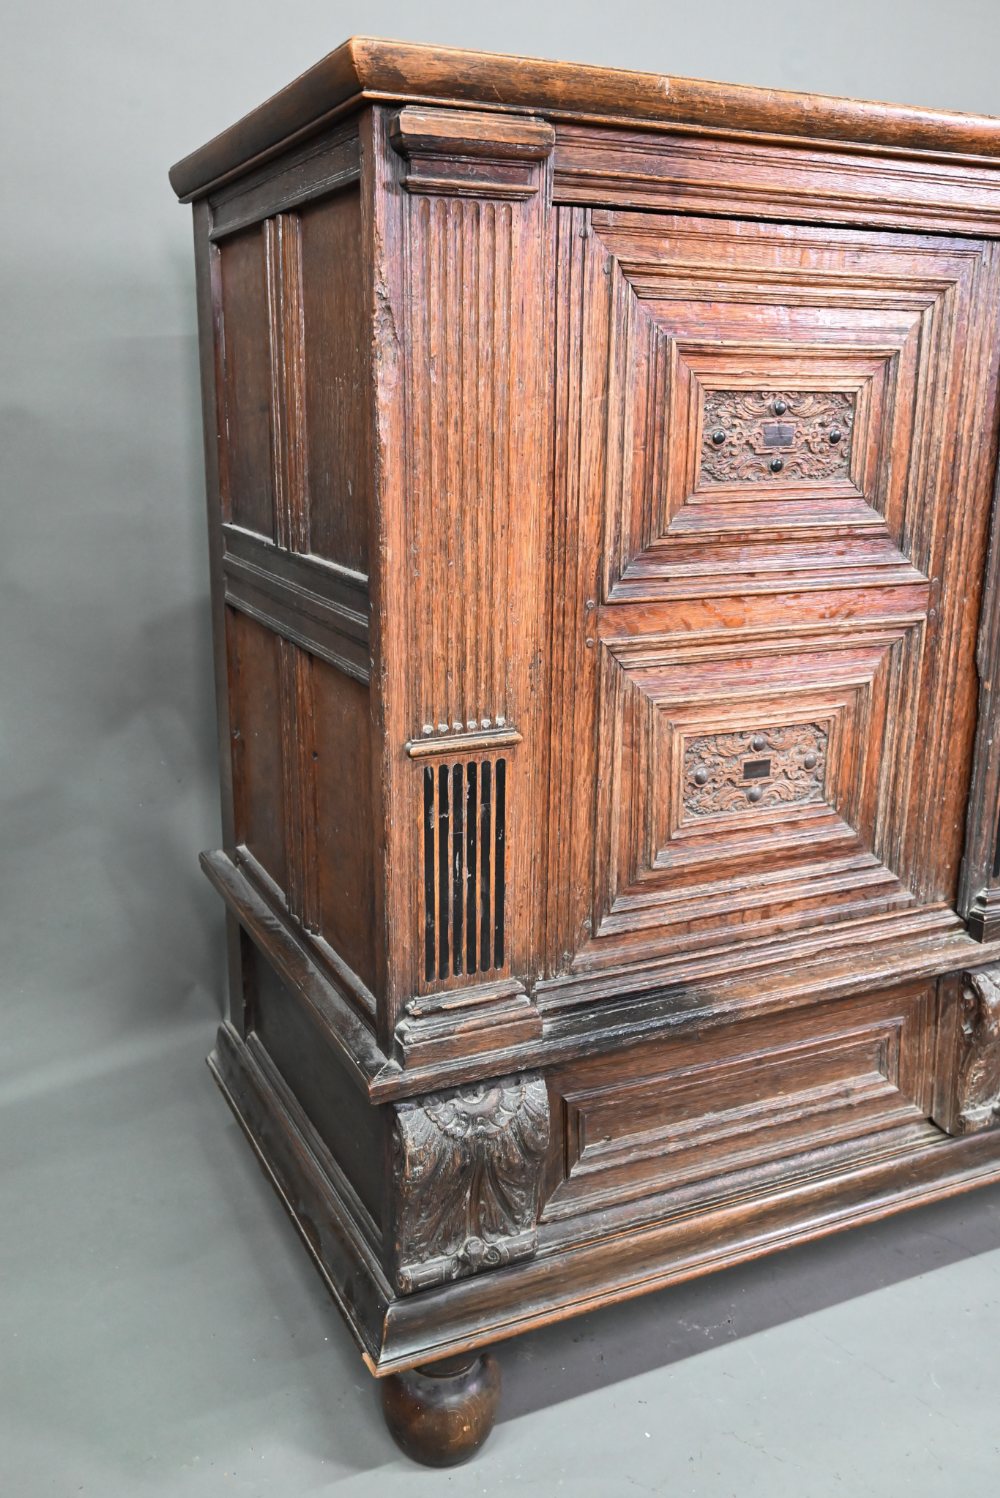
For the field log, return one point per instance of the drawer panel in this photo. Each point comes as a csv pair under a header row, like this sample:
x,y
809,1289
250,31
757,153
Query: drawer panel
x,y
654,1117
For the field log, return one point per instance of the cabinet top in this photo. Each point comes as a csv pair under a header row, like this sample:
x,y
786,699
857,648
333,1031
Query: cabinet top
x,y
367,68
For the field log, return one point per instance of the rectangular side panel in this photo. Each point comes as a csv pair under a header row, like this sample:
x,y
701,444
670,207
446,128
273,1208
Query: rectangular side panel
x,y
337,379
348,1125
292,358
664,1116
244,354
255,708
344,818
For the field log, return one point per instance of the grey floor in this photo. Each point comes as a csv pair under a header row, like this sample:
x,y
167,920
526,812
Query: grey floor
x,y
162,1330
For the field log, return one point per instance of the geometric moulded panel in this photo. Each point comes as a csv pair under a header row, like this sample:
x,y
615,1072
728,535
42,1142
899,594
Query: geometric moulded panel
x,y
757,787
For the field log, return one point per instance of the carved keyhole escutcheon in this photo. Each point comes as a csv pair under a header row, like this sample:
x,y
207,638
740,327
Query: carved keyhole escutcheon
x,y
743,443
749,769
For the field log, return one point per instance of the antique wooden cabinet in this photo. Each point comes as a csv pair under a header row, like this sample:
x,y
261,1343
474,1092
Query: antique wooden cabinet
x,y
601,484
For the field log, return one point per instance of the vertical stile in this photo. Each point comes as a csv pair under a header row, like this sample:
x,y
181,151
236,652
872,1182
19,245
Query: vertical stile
x,y
443,882
485,850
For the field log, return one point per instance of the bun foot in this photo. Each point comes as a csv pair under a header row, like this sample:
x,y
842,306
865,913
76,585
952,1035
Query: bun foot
x,y
442,1413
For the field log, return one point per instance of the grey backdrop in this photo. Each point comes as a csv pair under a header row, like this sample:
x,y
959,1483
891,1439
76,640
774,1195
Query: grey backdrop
x,y
160,1327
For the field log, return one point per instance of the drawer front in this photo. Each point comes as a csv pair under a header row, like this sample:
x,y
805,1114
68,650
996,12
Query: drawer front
x,y
649,1119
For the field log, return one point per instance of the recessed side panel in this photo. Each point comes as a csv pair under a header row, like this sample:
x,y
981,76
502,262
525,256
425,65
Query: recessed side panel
x,y
340,810
256,732
336,357
294,1040
305,826
293,348
243,353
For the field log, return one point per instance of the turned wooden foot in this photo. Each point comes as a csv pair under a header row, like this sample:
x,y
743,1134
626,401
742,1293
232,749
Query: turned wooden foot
x,y
442,1413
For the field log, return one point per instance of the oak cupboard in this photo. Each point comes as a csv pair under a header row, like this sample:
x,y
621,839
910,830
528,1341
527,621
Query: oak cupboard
x,y
601,475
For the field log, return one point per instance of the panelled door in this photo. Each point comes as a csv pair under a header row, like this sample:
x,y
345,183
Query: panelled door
x,y
774,449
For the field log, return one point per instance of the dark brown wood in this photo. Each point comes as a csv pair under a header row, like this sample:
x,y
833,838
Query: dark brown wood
x,y
442,1413
659,1242
467,1168
969,1059
601,475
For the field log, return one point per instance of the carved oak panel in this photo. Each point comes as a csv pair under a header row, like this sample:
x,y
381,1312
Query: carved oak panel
x,y
735,599
725,772
754,436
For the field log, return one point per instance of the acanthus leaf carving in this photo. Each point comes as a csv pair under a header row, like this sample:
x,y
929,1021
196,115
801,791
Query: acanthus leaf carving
x,y
978,1101
467,1172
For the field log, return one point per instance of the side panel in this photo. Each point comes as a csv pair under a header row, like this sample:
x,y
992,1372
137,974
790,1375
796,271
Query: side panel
x,y
348,1125
255,696
246,468
285,325
337,367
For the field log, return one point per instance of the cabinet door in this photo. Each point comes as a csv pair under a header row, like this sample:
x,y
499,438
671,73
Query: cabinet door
x,y
774,454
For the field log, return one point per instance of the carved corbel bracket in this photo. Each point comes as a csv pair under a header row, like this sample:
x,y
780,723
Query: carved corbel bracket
x,y
467,1168
465,153
974,1103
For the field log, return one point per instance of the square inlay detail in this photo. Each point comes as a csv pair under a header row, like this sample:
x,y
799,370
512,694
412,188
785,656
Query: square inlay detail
x,y
750,436
754,768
